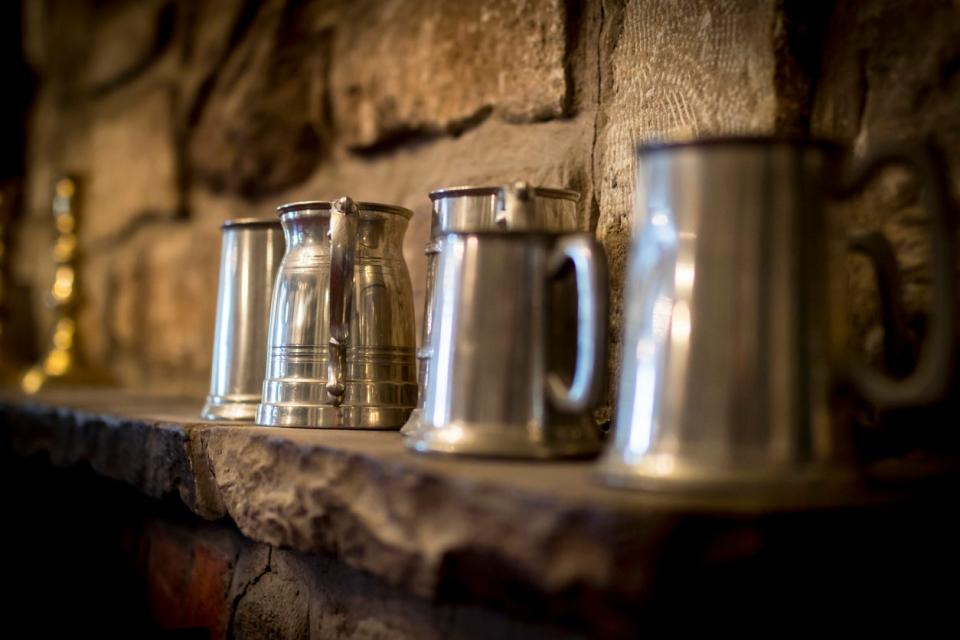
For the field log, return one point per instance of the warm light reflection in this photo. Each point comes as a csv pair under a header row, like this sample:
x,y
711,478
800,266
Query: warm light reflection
x,y
63,283
66,188
63,250
451,435
63,334
32,380
684,276
680,324
57,362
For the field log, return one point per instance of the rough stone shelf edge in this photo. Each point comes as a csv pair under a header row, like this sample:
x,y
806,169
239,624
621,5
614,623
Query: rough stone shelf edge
x,y
383,511
392,520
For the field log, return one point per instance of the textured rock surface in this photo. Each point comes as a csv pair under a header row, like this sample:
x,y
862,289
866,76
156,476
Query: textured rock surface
x,y
433,66
675,71
131,168
543,541
893,76
264,124
230,107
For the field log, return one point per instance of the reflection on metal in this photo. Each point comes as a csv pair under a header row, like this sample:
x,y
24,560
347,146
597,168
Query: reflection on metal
x,y
735,373
511,207
62,362
341,343
510,377
250,257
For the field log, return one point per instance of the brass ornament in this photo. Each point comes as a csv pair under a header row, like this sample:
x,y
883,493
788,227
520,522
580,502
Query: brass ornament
x,y
63,362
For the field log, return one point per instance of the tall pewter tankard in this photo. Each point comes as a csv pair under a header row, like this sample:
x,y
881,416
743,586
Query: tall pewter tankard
x,y
341,343
516,206
250,255
734,372
501,360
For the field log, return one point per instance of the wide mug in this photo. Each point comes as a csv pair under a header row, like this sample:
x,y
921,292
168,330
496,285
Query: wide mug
x,y
341,346
735,371
250,254
516,206
518,344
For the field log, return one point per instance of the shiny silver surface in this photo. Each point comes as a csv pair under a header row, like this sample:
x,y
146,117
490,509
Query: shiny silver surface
x,y
341,341
468,208
251,250
733,351
517,346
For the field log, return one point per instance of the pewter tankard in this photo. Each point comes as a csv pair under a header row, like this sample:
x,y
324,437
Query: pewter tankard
x,y
341,350
734,373
249,258
498,382
516,206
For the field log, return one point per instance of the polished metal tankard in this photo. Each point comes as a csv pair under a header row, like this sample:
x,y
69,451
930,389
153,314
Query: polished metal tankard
x,y
341,343
250,255
508,376
733,365
515,206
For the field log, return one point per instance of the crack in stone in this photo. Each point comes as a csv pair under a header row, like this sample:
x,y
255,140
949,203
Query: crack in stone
x,y
236,601
594,202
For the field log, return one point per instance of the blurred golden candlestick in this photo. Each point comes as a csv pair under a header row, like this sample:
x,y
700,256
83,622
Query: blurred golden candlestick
x,y
63,362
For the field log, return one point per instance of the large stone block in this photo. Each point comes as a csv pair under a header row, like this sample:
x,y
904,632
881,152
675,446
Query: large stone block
x,y
88,48
677,70
263,126
132,163
435,66
163,304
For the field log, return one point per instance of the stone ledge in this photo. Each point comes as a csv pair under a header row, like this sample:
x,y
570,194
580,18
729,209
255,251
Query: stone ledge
x,y
531,537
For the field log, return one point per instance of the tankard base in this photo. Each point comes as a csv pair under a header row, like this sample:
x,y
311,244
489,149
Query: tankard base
x,y
330,417
499,441
412,425
237,408
670,474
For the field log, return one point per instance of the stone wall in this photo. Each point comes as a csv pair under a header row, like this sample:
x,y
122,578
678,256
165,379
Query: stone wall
x,y
182,114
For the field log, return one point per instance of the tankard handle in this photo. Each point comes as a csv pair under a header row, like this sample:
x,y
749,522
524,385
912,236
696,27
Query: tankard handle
x,y
932,372
343,236
590,267
898,342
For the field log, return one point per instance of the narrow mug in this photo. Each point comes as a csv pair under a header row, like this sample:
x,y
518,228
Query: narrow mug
x,y
251,250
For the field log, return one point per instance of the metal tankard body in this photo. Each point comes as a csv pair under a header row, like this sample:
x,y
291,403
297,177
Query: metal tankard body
x,y
516,206
509,377
250,255
341,348
734,371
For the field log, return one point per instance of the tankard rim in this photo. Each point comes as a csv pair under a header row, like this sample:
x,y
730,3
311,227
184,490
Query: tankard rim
x,y
246,223
473,190
827,144
520,234
326,205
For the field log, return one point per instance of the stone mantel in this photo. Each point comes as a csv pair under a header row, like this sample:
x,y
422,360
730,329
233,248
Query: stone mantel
x,y
542,539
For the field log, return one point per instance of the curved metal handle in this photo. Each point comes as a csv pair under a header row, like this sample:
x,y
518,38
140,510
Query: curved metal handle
x,y
932,374
515,203
898,341
343,240
590,266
